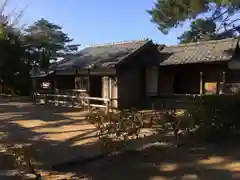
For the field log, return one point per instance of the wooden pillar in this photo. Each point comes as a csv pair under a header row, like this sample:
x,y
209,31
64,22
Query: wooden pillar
x,y
88,91
54,87
202,83
109,89
34,83
34,89
107,107
54,83
223,84
219,79
88,84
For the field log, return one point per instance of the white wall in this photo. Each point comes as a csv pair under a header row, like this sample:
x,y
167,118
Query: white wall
x,y
110,90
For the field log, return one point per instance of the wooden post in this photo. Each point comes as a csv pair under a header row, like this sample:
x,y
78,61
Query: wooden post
x,y
219,83
88,84
223,82
88,90
201,83
89,105
34,98
72,99
45,98
109,89
55,88
56,97
34,82
107,107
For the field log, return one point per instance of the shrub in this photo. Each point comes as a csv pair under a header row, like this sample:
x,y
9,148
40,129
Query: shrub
x,y
114,130
116,127
177,121
216,117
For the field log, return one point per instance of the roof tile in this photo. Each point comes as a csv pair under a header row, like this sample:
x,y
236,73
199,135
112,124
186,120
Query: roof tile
x,y
200,52
105,55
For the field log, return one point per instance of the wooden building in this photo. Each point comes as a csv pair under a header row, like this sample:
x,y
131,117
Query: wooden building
x,y
202,68
115,71
138,73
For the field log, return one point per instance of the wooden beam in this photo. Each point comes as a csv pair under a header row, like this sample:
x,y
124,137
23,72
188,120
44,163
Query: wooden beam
x,y
223,84
88,89
202,83
219,80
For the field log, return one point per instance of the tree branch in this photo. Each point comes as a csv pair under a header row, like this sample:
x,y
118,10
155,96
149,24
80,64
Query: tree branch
x,y
235,20
215,18
231,30
222,23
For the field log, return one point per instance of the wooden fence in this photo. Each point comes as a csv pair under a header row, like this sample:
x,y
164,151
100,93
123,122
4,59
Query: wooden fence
x,y
71,98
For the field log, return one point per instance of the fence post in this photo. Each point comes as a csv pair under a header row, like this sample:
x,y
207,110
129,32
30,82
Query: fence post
x,y
72,95
45,98
107,107
88,105
34,98
56,97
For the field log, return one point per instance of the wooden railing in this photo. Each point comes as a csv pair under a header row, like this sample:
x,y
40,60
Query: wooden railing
x,y
75,98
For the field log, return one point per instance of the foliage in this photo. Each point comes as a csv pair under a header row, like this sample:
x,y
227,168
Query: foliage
x,y
209,118
177,122
216,117
14,71
211,19
21,49
113,128
203,30
46,41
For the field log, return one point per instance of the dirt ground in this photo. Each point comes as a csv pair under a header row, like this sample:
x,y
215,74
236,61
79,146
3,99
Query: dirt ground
x,y
61,134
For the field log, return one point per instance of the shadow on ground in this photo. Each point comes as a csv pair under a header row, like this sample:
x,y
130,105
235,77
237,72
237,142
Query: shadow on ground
x,y
59,135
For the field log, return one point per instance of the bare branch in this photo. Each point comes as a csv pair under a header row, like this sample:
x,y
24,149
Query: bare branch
x,y
222,23
5,3
220,15
233,21
231,30
19,16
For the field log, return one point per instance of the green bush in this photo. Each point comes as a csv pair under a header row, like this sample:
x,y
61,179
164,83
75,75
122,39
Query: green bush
x,y
216,117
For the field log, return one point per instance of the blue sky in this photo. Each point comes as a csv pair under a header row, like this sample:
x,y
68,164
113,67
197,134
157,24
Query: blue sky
x,y
97,21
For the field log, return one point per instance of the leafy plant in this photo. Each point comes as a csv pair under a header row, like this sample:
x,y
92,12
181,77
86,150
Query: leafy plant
x,y
211,19
116,128
216,117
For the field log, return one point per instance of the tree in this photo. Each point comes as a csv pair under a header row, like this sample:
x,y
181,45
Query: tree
x,y
14,71
47,42
203,30
20,49
209,19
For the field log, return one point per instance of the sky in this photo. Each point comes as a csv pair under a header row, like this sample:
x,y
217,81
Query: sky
x,y
96,21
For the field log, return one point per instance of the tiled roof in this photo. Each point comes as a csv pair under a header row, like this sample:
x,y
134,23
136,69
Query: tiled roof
x,y
200,52
105,55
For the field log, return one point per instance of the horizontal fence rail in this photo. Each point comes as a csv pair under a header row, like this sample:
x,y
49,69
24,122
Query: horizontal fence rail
x,y
74,98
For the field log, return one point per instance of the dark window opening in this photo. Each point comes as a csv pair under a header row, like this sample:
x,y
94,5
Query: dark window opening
x,y
187,83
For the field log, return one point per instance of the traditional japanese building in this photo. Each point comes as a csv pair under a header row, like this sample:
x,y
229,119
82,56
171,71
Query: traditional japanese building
x,y
137,73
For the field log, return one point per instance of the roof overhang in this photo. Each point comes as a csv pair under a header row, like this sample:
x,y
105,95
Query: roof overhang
x,y
41,74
